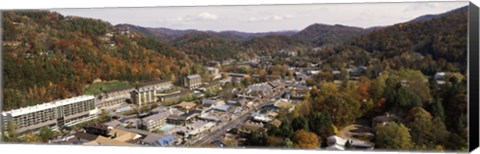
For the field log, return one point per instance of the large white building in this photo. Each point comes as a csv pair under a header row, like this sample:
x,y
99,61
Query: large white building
x,y
55,114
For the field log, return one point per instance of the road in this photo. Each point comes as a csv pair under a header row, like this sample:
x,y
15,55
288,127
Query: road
x,y
217,133
348,132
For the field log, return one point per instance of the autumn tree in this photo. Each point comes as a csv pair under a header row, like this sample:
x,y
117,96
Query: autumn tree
x,y
275,141
305,140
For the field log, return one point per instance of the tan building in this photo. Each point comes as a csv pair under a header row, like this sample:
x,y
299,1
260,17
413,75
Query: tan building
x,y
173,97
193,81
56,114
146,93
113,97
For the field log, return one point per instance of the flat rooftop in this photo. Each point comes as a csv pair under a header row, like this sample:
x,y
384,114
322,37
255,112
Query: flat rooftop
x,y
49,105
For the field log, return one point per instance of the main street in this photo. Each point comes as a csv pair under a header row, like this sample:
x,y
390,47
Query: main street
x,y
220,131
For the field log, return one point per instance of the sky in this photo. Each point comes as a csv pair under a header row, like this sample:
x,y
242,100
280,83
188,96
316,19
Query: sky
x,y
266,18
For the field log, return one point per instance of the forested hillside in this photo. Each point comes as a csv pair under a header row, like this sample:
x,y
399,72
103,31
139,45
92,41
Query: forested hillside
x,y
431,46
320,34
47,56
203,46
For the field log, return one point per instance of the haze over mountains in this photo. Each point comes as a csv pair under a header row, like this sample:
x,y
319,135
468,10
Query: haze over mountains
x,y
316,34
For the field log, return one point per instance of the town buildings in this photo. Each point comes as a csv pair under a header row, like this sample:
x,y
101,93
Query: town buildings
x,y
56,114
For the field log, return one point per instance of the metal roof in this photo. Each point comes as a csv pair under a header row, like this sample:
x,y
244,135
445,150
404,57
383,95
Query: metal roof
x,y
48,105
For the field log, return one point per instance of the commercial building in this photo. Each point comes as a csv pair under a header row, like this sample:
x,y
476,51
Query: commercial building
x,y
145,93
440,78
156,121
259,90
193,81
113,97
196,128
214,72
173,97
159,140
143,96
186,106
56,114
182,119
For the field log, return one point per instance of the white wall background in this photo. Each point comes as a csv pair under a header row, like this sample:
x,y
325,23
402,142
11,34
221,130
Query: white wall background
x,y
53,149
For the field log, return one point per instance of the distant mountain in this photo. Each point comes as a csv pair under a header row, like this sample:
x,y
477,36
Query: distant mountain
x,y
247,36
320,34
432,16
423,18
168,35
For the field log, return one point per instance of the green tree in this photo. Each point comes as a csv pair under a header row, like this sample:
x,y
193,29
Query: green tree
x,y
46,134
322,125
437,108
256,139
286,128
348,145
287,143
10,133
300,123
421,130
393,136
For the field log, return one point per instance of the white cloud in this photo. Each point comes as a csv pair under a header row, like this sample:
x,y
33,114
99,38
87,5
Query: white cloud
x,y
270,18
207,16
422,6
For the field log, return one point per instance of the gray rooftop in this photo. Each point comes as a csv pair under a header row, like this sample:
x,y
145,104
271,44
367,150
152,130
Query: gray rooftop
x,y
160,115
193,76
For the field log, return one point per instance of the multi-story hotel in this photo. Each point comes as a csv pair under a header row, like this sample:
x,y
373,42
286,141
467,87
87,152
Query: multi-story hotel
x,y
55,114
193,81
146,92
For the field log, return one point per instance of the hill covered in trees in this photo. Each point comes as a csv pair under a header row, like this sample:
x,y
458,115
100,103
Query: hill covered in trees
x,y
320,34
47,56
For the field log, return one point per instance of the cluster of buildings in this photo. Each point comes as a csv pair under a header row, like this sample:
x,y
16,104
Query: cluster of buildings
x,y
75,110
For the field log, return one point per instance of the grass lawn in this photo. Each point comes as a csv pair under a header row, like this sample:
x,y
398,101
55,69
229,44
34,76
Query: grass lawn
x,y
97,88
